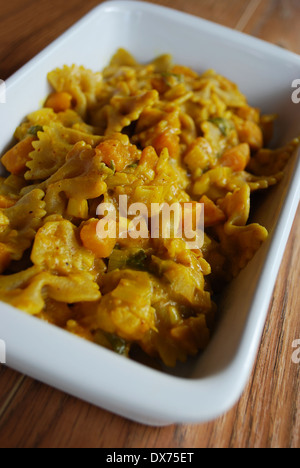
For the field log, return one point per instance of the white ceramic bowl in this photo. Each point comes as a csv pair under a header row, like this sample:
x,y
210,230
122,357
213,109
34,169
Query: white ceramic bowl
x,y
208,386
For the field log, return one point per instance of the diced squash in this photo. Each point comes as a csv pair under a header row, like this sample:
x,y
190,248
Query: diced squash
x,y
59,102
6,202
213,215
116,155
249,113
237,158
249,132
101,248
168,140
149,158
16,158
199,155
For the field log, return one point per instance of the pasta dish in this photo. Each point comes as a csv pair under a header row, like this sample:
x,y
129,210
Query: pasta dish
x,y
157,134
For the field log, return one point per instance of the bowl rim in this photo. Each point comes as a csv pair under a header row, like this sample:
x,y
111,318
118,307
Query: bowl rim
x,y
112,6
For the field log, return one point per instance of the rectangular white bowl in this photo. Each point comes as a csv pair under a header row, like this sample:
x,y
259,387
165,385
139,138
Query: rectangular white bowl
x,y
208,386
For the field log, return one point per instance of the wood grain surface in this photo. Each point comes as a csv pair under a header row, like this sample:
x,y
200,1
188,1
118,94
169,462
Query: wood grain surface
x,y
33,415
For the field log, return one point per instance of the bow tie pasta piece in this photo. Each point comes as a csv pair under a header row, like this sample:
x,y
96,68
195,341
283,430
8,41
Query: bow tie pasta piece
x,y
259,182
239,241
36,121
159,128
83,85
217,182
224,88
268,162
18,280
182,323
179,342
49,153
10,189
81,178
120,59
239,244
185,286
20,222
122,111
31,294
57,249
73,288
126,309
56,313
51,149
236,207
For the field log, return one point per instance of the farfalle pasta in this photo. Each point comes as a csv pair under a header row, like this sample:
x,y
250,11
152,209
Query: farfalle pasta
x,y
157,134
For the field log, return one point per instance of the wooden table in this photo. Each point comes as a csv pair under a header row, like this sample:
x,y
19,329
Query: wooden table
x,y
35,415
